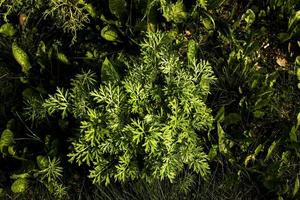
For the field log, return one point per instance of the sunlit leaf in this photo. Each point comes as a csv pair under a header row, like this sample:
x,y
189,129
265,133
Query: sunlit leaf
x,y
91,10
21,57
258,149
249,17
203,3
8,29
108,72
296,186
222,140
294,19
249,159
42,162
208,21
7,139
213,152
271,150
109,34
62,58
293,134
192,51
19,186
220,115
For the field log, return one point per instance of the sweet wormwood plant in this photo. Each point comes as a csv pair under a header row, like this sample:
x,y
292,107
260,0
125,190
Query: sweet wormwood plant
x,y
146,125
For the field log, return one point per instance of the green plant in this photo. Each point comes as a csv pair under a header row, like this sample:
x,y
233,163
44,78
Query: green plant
x,y
19,186
21,57
145,125
139,112
70,15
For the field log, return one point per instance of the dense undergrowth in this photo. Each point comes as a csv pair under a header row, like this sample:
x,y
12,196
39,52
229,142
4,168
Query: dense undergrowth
x,y
149,99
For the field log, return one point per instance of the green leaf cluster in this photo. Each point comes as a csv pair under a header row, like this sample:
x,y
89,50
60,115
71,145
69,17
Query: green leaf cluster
x,y
146,125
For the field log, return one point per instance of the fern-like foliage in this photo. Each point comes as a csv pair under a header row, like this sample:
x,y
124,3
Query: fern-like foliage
x,y
147,125
8,7
52,172
70,15
50,175
72,101
34,110
58,100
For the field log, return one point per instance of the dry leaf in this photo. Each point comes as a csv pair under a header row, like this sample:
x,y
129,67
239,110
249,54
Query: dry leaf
x,y
281,61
